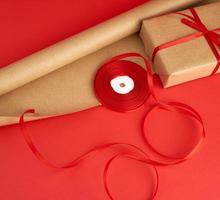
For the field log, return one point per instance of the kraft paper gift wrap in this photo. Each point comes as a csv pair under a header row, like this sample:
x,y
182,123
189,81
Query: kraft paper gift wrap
x,y
84,43
186,61
59,79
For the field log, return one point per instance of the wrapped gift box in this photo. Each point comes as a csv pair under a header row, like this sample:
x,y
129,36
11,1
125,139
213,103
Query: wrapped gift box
x,y
185,54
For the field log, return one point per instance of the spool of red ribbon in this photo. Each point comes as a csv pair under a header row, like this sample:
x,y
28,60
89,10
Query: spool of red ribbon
x,y
121,85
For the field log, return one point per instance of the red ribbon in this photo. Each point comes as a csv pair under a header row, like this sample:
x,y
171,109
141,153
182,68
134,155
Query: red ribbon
x,y
109,98
194,22
171,106
140,155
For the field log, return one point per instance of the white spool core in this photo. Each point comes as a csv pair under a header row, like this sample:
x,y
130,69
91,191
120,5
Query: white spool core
x,y
122,84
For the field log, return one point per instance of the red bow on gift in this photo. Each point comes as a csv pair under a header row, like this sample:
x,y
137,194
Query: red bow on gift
x,y
212,37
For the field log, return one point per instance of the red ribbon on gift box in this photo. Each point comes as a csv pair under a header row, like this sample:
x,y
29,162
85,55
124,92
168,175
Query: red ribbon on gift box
x,y
194,21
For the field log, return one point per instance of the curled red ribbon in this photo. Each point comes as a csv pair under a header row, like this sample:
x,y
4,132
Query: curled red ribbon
x,y
141,155
172,107
142,160
194,22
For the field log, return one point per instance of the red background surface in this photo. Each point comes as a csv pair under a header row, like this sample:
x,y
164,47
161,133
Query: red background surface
x,y
27,26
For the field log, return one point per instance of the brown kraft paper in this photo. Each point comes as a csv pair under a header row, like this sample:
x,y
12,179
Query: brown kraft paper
x,y
82,44
70,88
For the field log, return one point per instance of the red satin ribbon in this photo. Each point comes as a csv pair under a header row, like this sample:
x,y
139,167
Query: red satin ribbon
x,y
113,100
172,107
194,22
140,156
142,160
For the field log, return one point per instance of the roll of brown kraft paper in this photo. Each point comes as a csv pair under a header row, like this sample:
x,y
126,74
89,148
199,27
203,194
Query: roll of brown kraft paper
x,y
70,65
